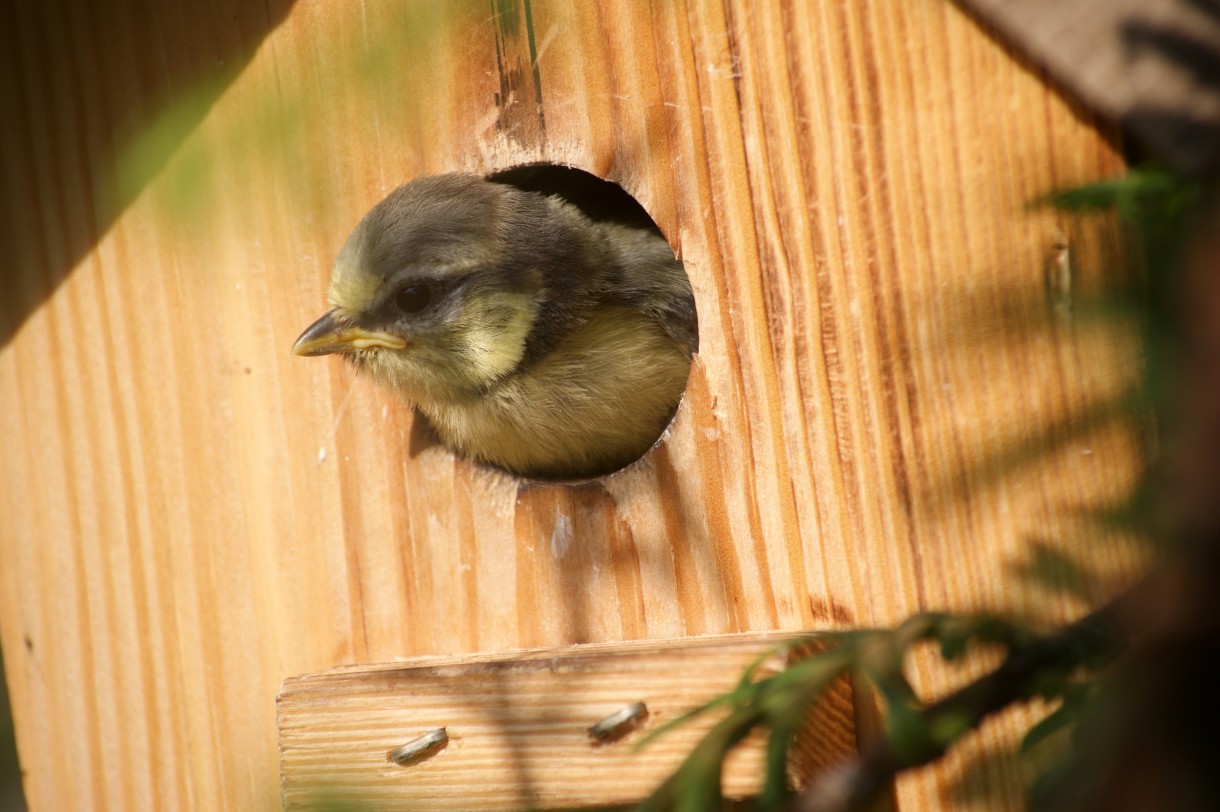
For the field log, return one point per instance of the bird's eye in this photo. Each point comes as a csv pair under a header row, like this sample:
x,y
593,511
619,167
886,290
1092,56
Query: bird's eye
x,y
413,298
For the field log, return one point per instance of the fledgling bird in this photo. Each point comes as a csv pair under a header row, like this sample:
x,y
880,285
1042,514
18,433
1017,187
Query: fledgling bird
x,y
532,337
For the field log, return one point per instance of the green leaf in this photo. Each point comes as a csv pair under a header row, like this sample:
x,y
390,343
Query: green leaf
x,y
695,786
813,672
1050,784
1124,193
1060,718
775,792
711,704
916,628
947,727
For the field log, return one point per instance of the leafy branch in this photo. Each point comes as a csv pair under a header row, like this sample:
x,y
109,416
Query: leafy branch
x,y
919,734
916,732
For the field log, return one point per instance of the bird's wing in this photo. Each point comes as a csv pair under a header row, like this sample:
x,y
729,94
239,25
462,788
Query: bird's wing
x,y
653,281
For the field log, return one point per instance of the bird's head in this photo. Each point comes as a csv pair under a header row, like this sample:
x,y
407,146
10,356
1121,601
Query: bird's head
x,y
449,283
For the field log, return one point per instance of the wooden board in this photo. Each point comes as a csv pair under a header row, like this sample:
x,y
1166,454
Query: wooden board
x,y
517,726
879,419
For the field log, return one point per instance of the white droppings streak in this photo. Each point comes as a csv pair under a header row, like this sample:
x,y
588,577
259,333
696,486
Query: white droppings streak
x,y
561,536
547,39
322,454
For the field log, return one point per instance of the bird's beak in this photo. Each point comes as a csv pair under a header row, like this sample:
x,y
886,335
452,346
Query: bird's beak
x,y
326,336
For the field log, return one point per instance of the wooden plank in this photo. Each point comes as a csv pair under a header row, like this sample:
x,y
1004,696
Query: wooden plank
x,y
189,515
518,726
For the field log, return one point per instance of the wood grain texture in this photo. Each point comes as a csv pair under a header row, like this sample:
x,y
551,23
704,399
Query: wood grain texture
x,y
886,412
518,726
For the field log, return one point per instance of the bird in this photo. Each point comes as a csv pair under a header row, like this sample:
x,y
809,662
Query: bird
x,y
532,338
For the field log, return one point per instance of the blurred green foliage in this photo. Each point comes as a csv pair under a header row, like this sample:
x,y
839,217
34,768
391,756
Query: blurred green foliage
x,y
281,123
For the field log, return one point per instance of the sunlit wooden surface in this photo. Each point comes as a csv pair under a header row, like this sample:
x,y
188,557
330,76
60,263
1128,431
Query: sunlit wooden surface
x,y
894,353
517,726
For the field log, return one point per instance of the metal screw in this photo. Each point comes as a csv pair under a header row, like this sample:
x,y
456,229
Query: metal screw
x,y
618,723
417,748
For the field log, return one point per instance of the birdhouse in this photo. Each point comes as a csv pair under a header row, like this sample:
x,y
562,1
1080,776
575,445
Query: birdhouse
x,y
896,403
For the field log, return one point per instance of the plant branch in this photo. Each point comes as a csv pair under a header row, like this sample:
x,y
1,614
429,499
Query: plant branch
x,y
855,784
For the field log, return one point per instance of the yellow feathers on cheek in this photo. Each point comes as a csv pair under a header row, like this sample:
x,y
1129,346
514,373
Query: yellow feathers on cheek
x,y
351,293
451,363
495,331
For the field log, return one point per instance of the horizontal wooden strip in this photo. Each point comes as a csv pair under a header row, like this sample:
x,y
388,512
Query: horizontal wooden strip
x,y
518,726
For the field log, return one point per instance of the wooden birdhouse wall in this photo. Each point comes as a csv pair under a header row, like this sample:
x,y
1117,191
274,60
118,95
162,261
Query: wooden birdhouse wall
x,y
882,416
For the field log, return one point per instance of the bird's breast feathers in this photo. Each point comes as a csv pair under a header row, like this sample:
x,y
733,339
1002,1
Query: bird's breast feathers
x,y
593,403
